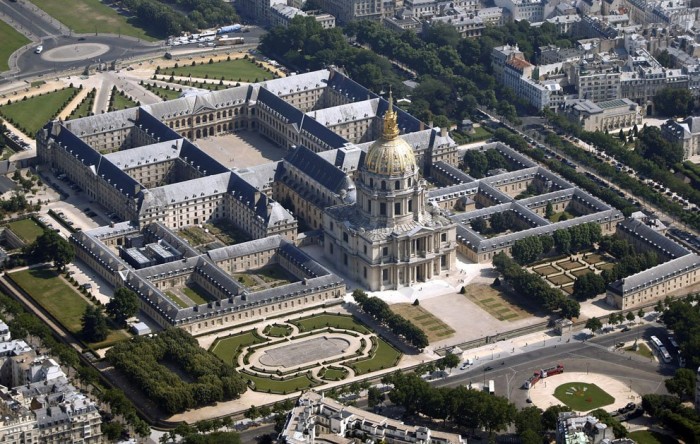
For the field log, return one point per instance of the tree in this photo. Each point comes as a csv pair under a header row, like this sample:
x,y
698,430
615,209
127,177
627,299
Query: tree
x,y
550,417
549,210
673,102
479,224
94,324
641,314
594,324
527,250
588,286
123,305
682,383
659,307
630,316
562,241
50,246
374,397
652,145
476,162
570,308
450,361
529,418
252,413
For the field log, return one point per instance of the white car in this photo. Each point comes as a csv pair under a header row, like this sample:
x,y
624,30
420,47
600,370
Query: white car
x,y
39,49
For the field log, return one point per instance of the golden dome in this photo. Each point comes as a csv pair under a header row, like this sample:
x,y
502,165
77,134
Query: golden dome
x,y
390,155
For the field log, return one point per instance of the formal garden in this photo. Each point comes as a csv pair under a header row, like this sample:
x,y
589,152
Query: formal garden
x,y
289,356
582,397
235,70
434,328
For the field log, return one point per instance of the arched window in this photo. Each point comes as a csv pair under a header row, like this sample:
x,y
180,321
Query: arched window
x,y
197,119
397,185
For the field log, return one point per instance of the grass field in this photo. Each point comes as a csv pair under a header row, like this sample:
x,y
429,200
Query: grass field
x,y
180,303
433,327
121,101
54,295
11,41
334,374
197,294
278,330
196,236
236,70
593,258
642,350
323,321
286,386
582,397
579,273
228,349
84,108
560,279
384,357
33,113
545,270
495,302
165,94
557,216
569,265
651,437
90,16
26,229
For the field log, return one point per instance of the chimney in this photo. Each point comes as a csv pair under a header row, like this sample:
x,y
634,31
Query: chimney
x,y
430,124
443,132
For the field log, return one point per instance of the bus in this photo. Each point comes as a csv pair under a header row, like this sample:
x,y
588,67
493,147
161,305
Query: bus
x,y
665,355
656,343
492,387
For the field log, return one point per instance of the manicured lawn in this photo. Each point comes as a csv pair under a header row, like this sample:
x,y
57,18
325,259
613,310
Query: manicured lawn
x,y
180,303
384,357
570,265
495,302
121,102
557,216
560,279
90,16
245,279
26,229
236,70
11,41
593,258
335,321
113,337
84,108
33,113
642,350
197,294
582,397
334,374
278,330
227,349
54,295
286,386
165,94
433,327
545,270
651,437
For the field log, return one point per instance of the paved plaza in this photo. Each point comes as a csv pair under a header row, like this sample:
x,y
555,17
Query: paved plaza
x,y
241,150
298,353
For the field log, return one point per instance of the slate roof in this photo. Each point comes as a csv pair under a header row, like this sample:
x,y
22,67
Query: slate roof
x,y
158,152
76,147
656,275
213,100
452,173
653,238
99,123
350,112
157,129
117,178
301,82
200,160
320,170
183,191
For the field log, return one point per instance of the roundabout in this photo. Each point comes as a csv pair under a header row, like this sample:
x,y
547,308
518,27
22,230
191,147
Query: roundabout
x,y
582,392
75,52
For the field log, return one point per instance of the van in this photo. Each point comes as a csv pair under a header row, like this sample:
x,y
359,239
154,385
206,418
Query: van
x,y
39,49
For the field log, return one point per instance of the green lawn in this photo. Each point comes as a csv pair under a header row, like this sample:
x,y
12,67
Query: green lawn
x,y
33,113
642,350
90,16
286,386
84,108
582,397
11,41
54,295
197,294
165,94
278,330
26,229
335,321
180,303
384,357
334,374
227,349
121,102
651,437
235,70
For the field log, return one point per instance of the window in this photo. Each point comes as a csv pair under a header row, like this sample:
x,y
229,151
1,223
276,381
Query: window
x,y
385,251
443,237
382,209
331,245
364,249
332,226
383,185
364,272
345,237
345,259
410,205
397,185
385,275
371,183
397,208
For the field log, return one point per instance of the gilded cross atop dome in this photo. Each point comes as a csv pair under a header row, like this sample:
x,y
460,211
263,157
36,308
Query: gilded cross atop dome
x,y
391,124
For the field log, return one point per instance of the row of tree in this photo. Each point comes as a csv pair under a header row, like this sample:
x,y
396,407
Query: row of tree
x,y
567,240
669,411
381,312
123,305
143,361
683,317
477,163
160,19
533,287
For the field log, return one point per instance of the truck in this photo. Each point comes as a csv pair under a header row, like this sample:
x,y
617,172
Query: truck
x,y
542,373
230,41
492,387
229,28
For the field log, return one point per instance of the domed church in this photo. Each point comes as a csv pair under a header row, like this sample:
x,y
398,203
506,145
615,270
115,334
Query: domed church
x,y
389,238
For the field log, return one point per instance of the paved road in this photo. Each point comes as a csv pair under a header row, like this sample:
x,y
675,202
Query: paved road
x,y
25,17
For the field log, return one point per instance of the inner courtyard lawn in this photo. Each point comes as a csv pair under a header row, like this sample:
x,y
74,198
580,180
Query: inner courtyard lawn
x,y
31,114
91,16
582,397
323,321
236,70
11,42
228,349
26,229
54,295
278,330
385,356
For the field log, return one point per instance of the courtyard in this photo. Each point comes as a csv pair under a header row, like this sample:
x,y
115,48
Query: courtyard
x,y
241,150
